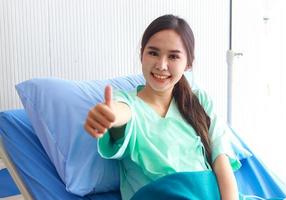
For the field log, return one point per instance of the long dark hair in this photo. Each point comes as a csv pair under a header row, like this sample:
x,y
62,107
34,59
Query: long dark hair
x,y
188,104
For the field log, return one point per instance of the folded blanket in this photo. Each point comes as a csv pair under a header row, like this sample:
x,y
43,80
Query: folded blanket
x,y
181,186
186,186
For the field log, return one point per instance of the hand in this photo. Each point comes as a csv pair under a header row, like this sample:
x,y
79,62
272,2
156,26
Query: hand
x,y
102,116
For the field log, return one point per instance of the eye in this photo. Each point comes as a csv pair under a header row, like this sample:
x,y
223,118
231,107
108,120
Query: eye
x,y
174,56
153,53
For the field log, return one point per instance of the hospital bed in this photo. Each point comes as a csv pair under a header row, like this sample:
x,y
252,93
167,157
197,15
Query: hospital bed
x,y
37,178
29,165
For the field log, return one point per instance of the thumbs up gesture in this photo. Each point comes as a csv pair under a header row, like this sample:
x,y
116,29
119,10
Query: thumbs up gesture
x,y
102,116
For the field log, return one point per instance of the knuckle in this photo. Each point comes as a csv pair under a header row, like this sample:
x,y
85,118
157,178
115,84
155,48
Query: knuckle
x,y
92,110
108,125
98,106
90,114
113,118
101,130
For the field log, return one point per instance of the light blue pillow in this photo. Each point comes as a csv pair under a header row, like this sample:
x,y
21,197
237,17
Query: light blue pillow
x,y
57,109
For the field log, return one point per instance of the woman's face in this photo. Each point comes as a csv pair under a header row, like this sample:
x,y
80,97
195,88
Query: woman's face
x,y
164,60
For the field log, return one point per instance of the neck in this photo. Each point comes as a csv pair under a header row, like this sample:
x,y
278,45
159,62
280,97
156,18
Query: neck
x,y
160,100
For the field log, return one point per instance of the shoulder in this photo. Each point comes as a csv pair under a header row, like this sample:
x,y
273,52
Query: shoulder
x,y
124,95
204,99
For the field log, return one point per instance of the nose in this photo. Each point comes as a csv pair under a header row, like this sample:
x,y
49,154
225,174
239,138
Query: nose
x,y
162,64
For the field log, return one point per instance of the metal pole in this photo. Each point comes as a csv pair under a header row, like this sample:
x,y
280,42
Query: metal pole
x,y
229,58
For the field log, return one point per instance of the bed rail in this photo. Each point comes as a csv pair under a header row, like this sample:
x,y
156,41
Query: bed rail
x,y
12,170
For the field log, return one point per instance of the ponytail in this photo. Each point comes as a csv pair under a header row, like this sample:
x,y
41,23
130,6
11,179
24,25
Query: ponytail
x,y
196,116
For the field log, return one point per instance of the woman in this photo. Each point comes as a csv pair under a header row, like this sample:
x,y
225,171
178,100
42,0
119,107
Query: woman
x,y
163,127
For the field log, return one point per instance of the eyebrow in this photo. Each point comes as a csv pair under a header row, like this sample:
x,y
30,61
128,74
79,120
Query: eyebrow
x,y
157,49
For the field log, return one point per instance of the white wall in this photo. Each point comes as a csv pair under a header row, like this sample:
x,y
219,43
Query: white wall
x,y
100,39
259,87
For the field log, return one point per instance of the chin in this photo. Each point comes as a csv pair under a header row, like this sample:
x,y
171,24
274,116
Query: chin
x,y
162,88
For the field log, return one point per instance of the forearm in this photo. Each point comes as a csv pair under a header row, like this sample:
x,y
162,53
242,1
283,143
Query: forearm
x,y
122,116
226,179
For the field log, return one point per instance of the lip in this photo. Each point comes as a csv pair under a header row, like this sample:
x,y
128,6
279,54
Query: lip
x,y
161,79
160,76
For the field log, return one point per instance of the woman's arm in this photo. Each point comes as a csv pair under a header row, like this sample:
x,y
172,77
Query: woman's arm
x,y
107,115
226,179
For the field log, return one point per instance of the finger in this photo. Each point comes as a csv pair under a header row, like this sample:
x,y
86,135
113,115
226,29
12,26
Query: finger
x,y
96,125
106,113
102,114
93,132
108,95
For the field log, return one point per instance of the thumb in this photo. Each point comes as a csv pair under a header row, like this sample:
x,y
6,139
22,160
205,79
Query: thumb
x,y
108,95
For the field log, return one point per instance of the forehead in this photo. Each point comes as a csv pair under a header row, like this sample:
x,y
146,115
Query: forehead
x,y
166,40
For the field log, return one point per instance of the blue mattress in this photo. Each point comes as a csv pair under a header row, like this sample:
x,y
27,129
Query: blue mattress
x,y
43,182
32,163
253,178
7,185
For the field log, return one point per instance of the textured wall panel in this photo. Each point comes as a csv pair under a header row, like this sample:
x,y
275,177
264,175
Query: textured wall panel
x,y
24,46
101,39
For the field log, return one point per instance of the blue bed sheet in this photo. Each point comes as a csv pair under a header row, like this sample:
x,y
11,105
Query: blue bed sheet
x,y
43,182
253,178
33,164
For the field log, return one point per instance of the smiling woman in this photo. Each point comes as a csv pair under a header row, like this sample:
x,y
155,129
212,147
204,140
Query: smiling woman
x,y
132,134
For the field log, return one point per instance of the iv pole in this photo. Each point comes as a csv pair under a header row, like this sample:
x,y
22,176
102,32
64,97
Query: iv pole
x,y
229,61
230,54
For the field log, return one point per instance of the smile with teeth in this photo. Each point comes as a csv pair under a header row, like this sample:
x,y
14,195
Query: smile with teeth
x,y
161,77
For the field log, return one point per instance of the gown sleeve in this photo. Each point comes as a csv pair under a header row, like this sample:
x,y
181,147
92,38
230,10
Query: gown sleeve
x,y
219,132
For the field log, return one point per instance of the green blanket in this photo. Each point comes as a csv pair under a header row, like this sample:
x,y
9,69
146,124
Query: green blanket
x,y
185,186
181,186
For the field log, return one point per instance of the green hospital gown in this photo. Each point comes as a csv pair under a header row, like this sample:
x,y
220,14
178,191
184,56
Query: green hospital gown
x,y
155,146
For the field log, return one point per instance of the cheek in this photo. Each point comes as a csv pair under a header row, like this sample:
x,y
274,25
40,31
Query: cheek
x,y
177,68
147,62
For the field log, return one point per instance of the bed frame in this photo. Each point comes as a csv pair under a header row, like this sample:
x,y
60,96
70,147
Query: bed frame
x,y
12,170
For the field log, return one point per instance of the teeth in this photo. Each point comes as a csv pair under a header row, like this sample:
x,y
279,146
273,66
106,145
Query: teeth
x,y
160,76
